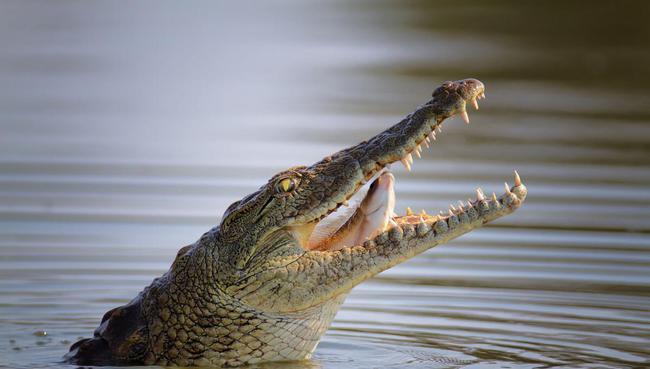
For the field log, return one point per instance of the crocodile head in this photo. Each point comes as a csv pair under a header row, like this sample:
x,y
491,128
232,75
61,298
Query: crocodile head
x,y
291,246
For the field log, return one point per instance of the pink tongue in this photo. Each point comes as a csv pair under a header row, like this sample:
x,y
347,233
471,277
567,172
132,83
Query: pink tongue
x,y
369,219
378,207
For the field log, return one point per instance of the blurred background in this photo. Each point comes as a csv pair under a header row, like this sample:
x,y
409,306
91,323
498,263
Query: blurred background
x,y
126,128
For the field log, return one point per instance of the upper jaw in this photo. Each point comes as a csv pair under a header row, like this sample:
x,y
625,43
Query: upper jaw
x,y
404,139
349,169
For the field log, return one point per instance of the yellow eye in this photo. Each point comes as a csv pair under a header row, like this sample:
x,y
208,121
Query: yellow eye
x,y
286,185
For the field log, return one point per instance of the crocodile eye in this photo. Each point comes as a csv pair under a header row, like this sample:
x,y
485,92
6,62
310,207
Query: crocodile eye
x,y
285,185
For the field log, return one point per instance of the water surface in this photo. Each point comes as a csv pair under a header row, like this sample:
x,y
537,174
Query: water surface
x,y
127,129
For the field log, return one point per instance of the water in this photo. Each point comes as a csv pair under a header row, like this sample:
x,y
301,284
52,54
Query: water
x,y
127,129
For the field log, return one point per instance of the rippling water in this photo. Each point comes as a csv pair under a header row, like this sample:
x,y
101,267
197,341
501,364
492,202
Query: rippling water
x,y
127,128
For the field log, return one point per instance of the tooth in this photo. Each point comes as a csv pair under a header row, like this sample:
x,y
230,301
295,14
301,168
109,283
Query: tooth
x,y
507,187
462,206
409,158
483,95
451,213
439,127
406,164
433,135
465,116
422,228
517,179
409,211
421,219
452,207
423,213
479,194
426,141
417,151
391,224
475,104
494,197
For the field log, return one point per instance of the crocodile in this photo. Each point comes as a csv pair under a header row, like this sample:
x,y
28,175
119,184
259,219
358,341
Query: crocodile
x,y
265,284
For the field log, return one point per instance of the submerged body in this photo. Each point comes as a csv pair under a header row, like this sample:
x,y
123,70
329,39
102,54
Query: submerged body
x,y
267,282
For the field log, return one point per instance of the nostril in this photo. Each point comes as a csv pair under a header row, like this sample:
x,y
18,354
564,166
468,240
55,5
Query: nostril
x,y
469,88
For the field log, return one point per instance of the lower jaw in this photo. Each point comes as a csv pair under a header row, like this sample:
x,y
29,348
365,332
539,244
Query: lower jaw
x,y
480,209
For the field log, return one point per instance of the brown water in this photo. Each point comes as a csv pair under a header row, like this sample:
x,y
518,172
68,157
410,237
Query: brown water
x,y
126,129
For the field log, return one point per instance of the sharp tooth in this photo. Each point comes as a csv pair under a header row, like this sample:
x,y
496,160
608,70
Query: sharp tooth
x,y
507,188
409,158
421,219
439,127
462,206
479,194
426,141
409,211
465,116
517,179
451,213
406,164
494,197
417,151
475,104
452,207
483,95
391,224
433,135
423,213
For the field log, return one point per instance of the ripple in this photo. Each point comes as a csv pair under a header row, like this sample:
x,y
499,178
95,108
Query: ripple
x,y
125,137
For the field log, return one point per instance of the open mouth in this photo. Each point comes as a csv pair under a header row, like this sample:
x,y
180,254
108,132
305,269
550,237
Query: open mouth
x,y
355,224
374,214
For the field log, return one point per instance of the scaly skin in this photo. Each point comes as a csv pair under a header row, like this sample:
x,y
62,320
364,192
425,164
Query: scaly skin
x,y
253,289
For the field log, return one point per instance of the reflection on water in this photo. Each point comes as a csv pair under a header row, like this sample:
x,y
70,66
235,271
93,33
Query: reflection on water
x,y
127,130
